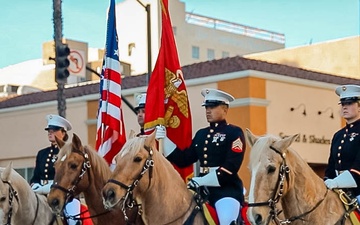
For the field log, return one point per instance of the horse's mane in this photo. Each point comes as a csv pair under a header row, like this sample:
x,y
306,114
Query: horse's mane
x,y
132,146
262,143
97,162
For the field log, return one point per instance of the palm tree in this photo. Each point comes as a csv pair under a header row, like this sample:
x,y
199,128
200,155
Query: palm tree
x,y
57,20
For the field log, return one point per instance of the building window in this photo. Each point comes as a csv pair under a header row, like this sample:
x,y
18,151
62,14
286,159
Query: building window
x,y
210,54
195,52
225,54
26,173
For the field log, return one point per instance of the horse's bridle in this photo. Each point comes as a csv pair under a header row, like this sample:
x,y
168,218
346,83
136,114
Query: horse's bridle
x,y
128,200
86,165
284,172
12,194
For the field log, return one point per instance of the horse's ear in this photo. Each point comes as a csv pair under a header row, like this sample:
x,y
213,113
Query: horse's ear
x,y
286,142
132,134
60,143
250,137
150,139
76,142
6,173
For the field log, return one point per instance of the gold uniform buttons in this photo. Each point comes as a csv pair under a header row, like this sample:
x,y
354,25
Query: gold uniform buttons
x,y
47,160
205,156
205,162
344,135
211,130
205,149
339,147
49,155
45,170
339,161
46,164
46,176
339,154
206,142
217,144
342,141
351,125
208,136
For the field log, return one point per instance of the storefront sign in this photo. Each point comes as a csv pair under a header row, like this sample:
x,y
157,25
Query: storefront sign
x,y
311,139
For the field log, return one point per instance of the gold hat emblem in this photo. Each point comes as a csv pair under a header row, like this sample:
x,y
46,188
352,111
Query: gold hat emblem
x,y
344,88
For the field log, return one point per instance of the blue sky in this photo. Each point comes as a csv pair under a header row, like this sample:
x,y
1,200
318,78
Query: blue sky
x,y
25,24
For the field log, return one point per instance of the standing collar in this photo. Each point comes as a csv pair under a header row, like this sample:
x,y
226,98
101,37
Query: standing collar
x,y
218,124
356,123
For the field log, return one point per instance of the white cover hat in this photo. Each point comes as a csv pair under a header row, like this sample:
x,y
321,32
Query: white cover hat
x,y
348,93
140,100
215,97
55,122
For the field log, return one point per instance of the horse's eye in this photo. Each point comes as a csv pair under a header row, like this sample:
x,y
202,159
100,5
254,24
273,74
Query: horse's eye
x,y
137,159
2,199
271,169
73,166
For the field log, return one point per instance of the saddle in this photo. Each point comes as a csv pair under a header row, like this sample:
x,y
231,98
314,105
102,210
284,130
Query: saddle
x,y
351,206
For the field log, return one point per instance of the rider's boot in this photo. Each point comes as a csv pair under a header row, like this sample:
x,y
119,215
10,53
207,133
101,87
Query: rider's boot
x,y
233,223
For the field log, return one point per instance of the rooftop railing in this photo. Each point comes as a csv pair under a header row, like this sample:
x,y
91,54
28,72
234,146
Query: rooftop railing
x,y
235,28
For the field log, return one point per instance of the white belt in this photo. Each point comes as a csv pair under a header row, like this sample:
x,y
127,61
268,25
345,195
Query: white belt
x,y
208,169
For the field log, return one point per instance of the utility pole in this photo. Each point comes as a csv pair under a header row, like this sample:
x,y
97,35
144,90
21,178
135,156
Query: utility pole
x,y
147,9
60,78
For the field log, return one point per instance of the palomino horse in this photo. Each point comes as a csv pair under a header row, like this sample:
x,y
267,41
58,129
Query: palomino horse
x,y
279,174
79,169
19,204
145,174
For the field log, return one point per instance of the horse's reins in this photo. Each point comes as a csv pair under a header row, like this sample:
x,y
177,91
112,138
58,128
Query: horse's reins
x,y
13,194
70,191
128,199
284,172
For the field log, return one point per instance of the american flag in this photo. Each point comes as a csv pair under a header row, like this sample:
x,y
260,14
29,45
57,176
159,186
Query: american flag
x,y
110,124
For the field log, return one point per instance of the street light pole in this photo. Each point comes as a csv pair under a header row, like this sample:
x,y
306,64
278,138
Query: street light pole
x,y
148,13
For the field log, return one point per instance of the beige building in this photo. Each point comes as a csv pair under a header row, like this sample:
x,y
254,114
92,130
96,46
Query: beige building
x,y
265,94
198,38
339,57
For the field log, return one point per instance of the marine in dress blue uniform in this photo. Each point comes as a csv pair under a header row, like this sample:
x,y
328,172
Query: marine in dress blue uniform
x,y
343,170
44,171
140,111
220,149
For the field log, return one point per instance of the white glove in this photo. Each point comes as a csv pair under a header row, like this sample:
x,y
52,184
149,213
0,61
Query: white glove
x,y
45,189
209,179
72,209
160,132
35,186
169,146
344,180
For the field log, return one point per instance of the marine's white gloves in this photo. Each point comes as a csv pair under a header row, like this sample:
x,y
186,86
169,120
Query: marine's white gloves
x,y
35,186
45,189
169,146
160,132
344,180
209,179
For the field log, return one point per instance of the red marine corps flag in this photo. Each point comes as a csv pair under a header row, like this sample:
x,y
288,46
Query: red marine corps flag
x,y
167,88
110,123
